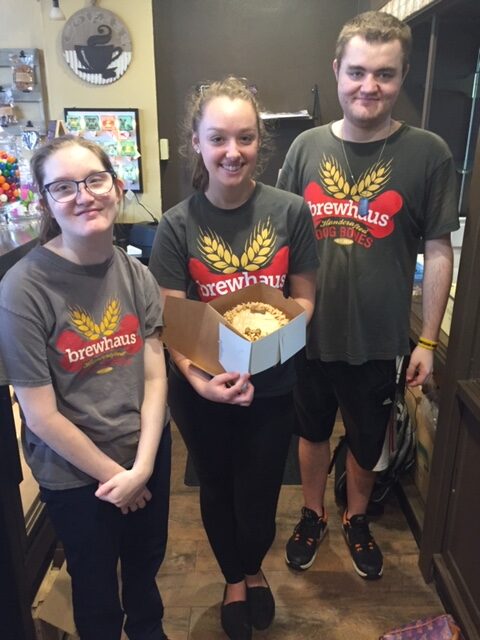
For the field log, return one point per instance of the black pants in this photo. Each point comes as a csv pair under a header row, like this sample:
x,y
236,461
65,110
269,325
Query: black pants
x,y
95,536
365,394
239,455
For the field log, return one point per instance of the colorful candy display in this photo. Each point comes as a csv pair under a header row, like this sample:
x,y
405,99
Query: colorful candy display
x,y
9,178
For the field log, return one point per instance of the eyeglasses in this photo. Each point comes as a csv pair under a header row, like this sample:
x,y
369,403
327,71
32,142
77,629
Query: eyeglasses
x,y
97,184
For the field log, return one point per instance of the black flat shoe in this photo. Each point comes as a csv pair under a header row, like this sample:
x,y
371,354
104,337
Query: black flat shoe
x,y
235,619
262,606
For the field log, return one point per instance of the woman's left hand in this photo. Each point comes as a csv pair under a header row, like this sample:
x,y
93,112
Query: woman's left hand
x,y
126,490
228,388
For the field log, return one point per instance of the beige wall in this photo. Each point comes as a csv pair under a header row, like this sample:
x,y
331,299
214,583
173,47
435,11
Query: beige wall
x,y
21,24
31,27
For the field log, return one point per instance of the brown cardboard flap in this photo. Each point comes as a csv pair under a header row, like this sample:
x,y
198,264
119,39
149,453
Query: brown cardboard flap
x,y
191,327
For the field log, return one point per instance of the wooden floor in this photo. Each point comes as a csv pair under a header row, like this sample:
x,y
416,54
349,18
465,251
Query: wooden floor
x,y
328,602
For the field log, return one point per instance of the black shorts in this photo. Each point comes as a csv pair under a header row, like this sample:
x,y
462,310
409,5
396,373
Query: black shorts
x,y
364,394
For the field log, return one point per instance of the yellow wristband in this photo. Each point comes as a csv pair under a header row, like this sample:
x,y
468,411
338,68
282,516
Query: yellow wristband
x,y
426,346
425,343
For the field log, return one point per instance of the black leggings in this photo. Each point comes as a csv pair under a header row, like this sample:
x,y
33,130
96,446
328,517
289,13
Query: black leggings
x,y
95,535
239,455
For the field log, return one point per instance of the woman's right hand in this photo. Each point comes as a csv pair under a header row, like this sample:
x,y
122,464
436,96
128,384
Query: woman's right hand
x,y
126,490
229,388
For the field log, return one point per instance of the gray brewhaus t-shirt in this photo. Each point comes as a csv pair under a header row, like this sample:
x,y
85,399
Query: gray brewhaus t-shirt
x,y
81,329
208,252
367,262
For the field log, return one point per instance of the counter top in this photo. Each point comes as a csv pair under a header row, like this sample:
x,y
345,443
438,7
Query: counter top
x,y
15,234
16,239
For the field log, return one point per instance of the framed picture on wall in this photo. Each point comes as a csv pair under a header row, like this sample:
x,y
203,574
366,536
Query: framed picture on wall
x,y
117,132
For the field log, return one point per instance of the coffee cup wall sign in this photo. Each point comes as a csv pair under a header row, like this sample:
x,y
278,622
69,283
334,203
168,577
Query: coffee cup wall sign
x,y
96,45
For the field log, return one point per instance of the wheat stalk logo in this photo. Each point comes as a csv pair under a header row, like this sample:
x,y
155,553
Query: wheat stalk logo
x,y
371,183
87,327
217,253
259,249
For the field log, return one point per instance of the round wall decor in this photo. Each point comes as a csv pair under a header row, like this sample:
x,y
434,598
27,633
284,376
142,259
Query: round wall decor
x,y
96,45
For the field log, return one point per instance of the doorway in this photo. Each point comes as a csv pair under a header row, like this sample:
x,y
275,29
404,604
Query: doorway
x,y
282,47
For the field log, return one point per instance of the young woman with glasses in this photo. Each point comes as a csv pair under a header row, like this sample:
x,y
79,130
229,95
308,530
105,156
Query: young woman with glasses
x,y
232,232
80,343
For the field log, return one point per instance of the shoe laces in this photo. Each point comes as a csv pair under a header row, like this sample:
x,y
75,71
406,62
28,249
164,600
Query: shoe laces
x,y
308,528
359,533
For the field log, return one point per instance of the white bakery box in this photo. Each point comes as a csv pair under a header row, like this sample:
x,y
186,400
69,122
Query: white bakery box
x,y
199,331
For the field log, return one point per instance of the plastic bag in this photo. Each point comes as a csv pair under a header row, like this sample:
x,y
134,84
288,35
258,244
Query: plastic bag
x,y
23,75
7,114
442,627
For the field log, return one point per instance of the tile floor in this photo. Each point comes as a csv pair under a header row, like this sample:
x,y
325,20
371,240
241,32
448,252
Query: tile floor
x,y
328,602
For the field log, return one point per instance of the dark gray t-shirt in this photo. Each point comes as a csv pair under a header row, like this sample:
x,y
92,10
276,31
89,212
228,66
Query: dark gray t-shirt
x,y
3,373
207,252
367,263
81,329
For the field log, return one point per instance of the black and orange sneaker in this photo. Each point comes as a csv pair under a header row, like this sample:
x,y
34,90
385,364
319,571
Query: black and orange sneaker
x,y
301,548
366,555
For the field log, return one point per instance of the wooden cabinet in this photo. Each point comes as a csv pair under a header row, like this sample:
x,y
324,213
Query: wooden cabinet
x,y
441,95
442,89
26,544
27,540
449,550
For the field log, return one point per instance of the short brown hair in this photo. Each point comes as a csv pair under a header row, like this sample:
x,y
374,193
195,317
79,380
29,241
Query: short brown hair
x,y
231,87
49,227
375,26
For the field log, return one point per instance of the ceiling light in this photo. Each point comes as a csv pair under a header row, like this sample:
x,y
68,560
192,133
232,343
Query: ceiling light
x,y
55,12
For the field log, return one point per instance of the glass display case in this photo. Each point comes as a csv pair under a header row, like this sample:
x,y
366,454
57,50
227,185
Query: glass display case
x,y
23,89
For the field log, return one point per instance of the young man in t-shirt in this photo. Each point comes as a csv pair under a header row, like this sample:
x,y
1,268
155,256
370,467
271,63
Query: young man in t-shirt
x,y
376,188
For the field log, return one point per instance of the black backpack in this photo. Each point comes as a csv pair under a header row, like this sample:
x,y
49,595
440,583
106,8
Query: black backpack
x,y
402,458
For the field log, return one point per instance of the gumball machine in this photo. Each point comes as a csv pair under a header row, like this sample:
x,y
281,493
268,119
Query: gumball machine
x,y
9,174
18,197
28,196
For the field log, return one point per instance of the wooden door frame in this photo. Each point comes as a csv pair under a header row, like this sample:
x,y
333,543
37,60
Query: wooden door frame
x,y
462,367
27,542
26,546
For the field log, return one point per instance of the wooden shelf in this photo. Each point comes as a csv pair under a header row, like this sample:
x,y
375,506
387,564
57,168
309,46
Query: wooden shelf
x,y
412,504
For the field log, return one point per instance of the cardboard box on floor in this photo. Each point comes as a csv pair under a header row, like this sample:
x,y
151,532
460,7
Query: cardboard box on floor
x,y
54,614
421,416
199,331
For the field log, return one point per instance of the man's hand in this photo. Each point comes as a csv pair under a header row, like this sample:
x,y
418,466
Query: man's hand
x,y
420,367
